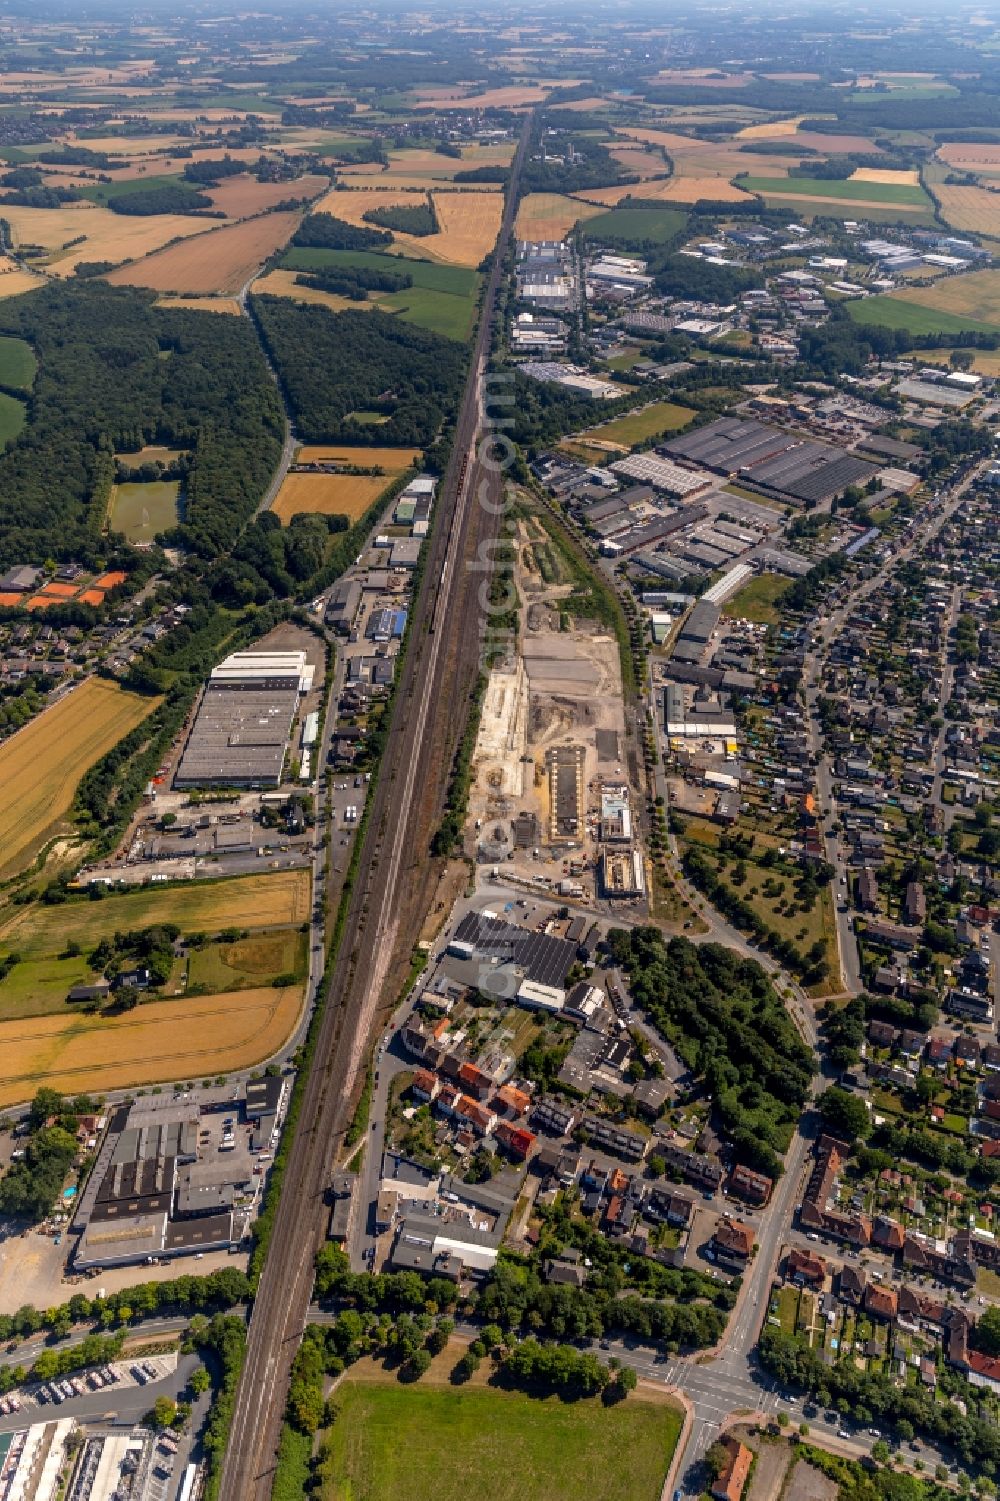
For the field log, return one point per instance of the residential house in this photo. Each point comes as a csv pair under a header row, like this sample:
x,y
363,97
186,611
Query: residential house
x,y
729,1484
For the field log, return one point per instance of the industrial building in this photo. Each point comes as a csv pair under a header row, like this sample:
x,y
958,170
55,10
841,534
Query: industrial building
x,y
662,474
622,873
778,461
244,721
343,605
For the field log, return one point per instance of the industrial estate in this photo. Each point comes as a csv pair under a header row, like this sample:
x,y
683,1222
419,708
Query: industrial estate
x,y
499,743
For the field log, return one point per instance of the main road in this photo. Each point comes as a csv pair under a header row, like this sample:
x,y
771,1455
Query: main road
x,y
384,905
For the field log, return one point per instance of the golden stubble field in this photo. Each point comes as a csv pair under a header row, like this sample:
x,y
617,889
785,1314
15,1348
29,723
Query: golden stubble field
x,y
550,216
273,899
41,765
191,1037
221,261
469,222
107,236
328,494
975,209
392,460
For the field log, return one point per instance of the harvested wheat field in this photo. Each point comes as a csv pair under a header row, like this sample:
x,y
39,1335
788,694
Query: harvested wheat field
x,y
640,159
13,283
975,295
352,207
886,175
282,283
108,236
673,190
239,197
834,144
391,460
549,216
769,129
970,208
970,156
41,765
509,96
202,304
369,181
156,1042
469,224
221,261
347,495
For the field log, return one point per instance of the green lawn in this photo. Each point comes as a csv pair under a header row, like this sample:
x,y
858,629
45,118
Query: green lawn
x,y
442,298
647,422
11,416
633,226
17,363
891,311
143,509
407,1443
460,281
103,192
37,987
758,600
838,187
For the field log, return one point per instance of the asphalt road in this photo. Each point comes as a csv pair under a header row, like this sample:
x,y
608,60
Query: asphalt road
x,y
373,935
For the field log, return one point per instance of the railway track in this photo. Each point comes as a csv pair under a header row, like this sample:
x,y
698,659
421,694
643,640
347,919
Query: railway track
x,y
386,907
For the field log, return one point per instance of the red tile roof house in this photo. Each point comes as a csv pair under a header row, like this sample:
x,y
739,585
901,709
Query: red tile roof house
x,y
881,1302
755,1188
728,1486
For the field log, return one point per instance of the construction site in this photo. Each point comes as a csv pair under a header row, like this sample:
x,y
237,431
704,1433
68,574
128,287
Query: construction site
x,y
550,748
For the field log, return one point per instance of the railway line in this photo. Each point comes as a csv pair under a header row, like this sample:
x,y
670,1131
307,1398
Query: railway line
x,y
386,905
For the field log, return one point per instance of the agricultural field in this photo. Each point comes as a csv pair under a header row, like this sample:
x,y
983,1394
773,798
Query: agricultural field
x,y
250,962
631,224
975,209
442,298
41,765
328,494
971,301
200,304
549,216
968,156
983,361
13,282
643,160
847,190
390,460
106,236
221,261
17,364
141,510
677,189
276,899
195,1037
408,1443
239,197
469,222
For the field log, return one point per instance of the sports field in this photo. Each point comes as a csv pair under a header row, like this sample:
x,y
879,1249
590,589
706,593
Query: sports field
x,y
143,509
194,1037
220,261
277,899
409,1443
41,765
328,494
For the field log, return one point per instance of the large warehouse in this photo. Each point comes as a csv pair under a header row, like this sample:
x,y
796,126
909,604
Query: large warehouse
x,y
242,728
778,461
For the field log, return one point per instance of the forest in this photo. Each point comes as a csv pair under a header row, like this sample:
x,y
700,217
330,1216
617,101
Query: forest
x,y
115,372
334,364
407,218
168,198
355,282
326,232
725,1020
